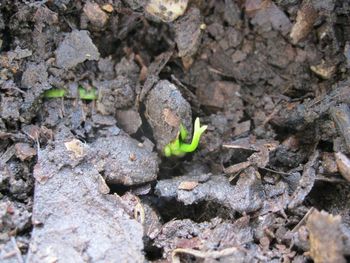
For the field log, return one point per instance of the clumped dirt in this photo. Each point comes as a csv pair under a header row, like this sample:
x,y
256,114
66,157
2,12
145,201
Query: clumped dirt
x,y
86,180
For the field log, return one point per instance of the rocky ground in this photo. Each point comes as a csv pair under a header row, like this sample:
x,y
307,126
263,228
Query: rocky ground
x,y
92,91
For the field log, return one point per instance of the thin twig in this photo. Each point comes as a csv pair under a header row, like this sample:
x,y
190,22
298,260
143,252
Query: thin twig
x,y
203,254
303,220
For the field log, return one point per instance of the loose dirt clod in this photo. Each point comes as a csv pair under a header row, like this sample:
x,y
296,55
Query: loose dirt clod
x,y
129,120
188,33
111,156
75,220
96,16
76,48
115,94
245,197
166,109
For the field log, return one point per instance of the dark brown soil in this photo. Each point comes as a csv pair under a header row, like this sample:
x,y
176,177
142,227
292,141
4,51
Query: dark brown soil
x,y
86,180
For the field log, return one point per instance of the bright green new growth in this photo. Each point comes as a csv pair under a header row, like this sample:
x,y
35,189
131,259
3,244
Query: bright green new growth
x,y
178,147
54,93
83,93
87,94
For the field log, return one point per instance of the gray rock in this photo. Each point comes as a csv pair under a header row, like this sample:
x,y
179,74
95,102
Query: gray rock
x,y
76,48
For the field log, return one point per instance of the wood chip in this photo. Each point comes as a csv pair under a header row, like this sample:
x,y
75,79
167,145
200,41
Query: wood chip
x,y
343,164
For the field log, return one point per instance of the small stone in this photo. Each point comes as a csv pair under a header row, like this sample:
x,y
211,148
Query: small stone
x,y
115,94
242,128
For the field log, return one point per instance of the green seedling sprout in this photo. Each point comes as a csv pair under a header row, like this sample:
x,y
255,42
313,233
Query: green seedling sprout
x,y
54,93
60,93
178,147
87,94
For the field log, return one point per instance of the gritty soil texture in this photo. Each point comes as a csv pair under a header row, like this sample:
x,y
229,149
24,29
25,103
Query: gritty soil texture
x,y
87,181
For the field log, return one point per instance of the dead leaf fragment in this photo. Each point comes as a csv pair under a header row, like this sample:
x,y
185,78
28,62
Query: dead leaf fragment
x,y
108,8
166,10
324,70
76,147
326,244
24,151
343,164
187,185
306,18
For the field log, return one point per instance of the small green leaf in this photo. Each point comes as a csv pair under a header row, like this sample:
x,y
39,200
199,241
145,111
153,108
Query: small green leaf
x,y
54,93
178,147
87,94
198,131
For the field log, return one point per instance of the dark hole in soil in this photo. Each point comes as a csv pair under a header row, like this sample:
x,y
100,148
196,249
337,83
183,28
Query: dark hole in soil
x,y
171,167
200,212
326,146
152,253
330,197
238,156
7,39
119,189
145,129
